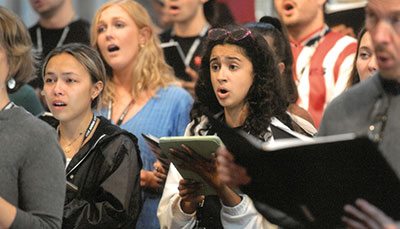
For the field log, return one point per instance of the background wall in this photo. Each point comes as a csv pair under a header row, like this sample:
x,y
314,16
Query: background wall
x,y
84,8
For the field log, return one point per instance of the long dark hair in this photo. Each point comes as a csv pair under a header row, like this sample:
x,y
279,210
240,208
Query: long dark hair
x,y
272,27
266,97
354,77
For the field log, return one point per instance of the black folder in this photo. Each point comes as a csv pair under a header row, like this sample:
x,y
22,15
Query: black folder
x,y
312,181
175,57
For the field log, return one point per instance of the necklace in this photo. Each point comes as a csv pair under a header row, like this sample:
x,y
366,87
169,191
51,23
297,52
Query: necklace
x,y
68,148
89,129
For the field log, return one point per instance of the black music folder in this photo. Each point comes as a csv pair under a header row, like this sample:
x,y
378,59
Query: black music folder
x,y
312,181
175,57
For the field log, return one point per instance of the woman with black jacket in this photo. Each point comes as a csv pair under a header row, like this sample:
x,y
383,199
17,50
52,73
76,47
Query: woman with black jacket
x,y
103,162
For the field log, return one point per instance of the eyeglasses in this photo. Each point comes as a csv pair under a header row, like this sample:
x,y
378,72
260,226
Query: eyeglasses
x,y
237,34
371,20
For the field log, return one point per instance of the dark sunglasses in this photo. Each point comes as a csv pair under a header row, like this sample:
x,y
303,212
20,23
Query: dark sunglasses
x,y
237,34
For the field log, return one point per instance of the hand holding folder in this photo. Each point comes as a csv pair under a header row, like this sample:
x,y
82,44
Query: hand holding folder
x,y
312,181
192,156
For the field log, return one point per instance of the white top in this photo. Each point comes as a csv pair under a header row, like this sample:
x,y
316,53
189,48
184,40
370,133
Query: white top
x,y
67,162
170,214
243,215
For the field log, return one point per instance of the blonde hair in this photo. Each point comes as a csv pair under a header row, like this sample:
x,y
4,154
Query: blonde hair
x,y
16,41
151,70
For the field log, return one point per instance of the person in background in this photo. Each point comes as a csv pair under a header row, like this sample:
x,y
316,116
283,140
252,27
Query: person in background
x,y
240,85
189,27
322,58
365,64
140,92
163,17
27,98
58,24
103,161
277,38
32,178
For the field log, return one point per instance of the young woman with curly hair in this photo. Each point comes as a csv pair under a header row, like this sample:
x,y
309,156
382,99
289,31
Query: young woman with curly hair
x,y
239,83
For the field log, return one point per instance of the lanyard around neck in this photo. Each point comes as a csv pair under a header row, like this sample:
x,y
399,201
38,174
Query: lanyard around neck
x,y
194,46
89,129
60,42
40,42
121,118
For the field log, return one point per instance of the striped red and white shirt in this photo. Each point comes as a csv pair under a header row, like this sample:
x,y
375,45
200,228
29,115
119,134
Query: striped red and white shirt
x,y
321,68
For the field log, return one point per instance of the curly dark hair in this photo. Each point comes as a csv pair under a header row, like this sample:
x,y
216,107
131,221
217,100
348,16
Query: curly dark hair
x,y
266,97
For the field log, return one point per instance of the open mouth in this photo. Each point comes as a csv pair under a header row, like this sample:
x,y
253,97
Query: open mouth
x,y
113,48
174,9
288,6
59,104
223,91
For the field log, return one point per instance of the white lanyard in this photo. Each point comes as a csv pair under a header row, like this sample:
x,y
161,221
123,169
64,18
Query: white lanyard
x,y
194,46
40,42
60,42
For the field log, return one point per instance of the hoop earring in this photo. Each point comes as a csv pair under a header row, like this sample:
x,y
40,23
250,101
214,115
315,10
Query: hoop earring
x,y
11,83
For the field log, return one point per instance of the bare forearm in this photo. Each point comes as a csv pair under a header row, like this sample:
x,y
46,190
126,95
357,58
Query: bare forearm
x,y
7,213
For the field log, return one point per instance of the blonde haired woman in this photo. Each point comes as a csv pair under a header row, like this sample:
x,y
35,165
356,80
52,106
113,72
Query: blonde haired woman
x,y
140,95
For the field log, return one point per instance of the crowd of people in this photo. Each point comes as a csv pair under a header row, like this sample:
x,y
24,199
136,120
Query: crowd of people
x,y
76,97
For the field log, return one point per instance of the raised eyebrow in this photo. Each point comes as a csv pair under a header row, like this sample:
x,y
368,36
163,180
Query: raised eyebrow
x,y
364,47
67,73
62,74
213,59
233,58
102,22
49,74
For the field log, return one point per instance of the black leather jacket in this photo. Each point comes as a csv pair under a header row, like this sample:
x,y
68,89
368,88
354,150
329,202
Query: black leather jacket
x,y
103,181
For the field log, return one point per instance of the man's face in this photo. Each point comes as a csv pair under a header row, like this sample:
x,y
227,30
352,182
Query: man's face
x,y
295,13
183,10
44,7
383,23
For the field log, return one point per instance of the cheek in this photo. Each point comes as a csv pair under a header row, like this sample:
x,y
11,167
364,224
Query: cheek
x,y
46,91
361,67
101,46
360,64
213,80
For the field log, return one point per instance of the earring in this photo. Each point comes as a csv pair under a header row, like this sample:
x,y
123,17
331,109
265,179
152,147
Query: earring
x,y
11,83
141,46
